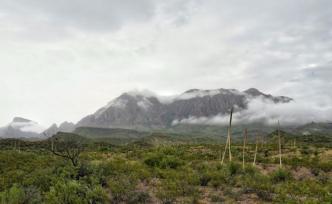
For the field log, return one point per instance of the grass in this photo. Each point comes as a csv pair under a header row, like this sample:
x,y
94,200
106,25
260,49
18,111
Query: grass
x,y
172,173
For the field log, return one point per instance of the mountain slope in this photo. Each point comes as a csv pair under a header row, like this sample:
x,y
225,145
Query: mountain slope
x,y
21,128
63,127
141,110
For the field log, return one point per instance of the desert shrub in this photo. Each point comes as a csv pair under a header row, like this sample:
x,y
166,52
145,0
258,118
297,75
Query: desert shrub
x,y
18,195
41,179
73,192
177,184
65,193
257,183
163,161
233,168
170,162
217,199
325,166
96,195
219,178
250,170
167,192
84,170
204,179
15,195
153,160
121,187
305,150
293,191
280,175
32,195
138,197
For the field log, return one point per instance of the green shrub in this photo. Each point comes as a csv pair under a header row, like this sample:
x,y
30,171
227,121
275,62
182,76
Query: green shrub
x,y
280,175
138,197
217,199
168,192
73,192
15,195
233,168
121,186
163,161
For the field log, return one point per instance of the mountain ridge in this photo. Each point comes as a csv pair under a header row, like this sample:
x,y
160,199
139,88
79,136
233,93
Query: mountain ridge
x,y
141,110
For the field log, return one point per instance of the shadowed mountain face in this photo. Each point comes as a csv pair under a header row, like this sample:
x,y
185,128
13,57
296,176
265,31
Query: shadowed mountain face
x,y
63,127
138,110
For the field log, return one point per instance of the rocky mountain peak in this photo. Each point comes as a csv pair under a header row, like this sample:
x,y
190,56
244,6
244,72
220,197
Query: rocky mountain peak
x,y
253,92
143,108
21,120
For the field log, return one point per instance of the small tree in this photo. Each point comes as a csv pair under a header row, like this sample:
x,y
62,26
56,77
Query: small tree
x,y
68,146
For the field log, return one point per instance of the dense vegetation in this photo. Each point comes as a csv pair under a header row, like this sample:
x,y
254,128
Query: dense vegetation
x,y
165,172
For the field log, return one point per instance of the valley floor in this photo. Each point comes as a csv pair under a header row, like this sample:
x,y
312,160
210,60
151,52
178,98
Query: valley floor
x,y
167,174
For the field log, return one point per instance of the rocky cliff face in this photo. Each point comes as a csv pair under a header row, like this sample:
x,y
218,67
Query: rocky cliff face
x,y
139,110
64,127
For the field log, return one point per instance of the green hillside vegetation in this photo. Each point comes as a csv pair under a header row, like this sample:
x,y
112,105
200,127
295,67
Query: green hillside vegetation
x,y
164,168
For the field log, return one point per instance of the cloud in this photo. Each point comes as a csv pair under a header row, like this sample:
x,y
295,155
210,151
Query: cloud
x,y
61,60
27,126
90,16
265,111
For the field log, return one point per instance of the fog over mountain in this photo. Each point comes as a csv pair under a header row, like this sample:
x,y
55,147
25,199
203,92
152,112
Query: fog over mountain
x,y
147,110
21,128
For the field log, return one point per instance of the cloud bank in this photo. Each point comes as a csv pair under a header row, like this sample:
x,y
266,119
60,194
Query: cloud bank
x,y
60,60
269,113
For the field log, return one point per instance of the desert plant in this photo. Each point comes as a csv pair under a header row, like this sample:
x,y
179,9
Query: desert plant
x,y
280,175
244,146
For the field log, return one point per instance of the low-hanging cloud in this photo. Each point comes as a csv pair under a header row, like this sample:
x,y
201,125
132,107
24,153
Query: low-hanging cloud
x,y
265,111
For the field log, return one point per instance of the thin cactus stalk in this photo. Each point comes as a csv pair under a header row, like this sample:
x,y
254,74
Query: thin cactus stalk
x,y
254,163
244,146
230,135
223,156
279,137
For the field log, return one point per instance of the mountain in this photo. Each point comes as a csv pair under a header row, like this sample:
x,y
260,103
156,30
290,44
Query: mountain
x,y
314,128
21,128
145,110
63,127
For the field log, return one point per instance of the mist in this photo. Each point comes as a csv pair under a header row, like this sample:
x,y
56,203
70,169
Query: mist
x,y
265,111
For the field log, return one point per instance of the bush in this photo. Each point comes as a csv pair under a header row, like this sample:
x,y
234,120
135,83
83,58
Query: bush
x,y
15,195
74,192
121,187
168,192
233,168
204,179
280,175
170,162
163,161
138,197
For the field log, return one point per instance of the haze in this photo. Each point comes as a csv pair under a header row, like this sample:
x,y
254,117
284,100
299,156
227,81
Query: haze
x,y
61,60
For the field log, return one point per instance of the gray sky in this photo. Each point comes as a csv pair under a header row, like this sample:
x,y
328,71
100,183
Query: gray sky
x,y
61,60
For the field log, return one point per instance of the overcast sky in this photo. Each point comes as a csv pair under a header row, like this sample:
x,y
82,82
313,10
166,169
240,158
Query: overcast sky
x,y
61,60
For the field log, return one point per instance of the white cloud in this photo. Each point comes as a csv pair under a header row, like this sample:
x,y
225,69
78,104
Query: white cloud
x,y
27,126
61,60
267,112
